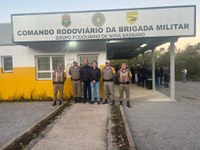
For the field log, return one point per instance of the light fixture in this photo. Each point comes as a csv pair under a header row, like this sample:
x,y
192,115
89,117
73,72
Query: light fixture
x,y
143,45
148,51
115,41
72,44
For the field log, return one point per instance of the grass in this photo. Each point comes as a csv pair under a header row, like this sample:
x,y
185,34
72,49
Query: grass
x,y
119,138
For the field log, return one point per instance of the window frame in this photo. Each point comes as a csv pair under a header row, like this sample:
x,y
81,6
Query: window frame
x,y
3,63
87,55
51,66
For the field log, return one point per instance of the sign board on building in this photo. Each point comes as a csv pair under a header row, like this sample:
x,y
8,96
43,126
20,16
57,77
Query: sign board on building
x,y
106,24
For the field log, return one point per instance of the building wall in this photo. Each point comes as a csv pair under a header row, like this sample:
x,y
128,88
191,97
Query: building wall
x,y
22,82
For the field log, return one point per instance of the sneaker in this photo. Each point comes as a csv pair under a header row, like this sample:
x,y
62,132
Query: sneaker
x,y
92,102
98,102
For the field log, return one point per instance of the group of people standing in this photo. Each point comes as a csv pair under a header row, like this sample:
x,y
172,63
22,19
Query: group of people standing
x,y
86,80
140,74
89,78
162,74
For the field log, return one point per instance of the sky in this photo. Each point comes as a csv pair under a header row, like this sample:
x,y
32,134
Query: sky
x,y
9,7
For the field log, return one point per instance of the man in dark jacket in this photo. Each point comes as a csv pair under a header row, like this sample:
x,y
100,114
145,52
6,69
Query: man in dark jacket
x,y
95,76
158,76
166,77
133,70
144,72
85,79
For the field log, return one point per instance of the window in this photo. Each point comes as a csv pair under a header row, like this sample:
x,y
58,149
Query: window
x,y
90,58
45,66
7,64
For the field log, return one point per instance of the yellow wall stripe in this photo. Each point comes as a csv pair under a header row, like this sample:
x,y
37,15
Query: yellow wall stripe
x,y
22,84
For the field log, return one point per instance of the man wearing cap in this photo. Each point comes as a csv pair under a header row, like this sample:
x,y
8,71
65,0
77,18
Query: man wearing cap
x,y
108,73
124,77
85,79
74,72
59,78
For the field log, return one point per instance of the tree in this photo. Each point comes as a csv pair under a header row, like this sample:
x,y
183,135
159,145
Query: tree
x,y
188,58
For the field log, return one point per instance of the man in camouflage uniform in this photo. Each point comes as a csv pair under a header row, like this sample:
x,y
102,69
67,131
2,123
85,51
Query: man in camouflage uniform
x,y
74,72
124,77
108,73
59,78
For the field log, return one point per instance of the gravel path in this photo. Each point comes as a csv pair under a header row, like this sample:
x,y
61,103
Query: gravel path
x,y
189,91
16,117
168,125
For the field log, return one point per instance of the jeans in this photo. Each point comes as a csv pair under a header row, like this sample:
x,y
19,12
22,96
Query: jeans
x,y
95,88
158,82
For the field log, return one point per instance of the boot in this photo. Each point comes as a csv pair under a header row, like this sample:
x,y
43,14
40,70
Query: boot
x,y
121,103
54,103
79,100
60,102
84,101
128,104
113,103
75,99
105,101
92,102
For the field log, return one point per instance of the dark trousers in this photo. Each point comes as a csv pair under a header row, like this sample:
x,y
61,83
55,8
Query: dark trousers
x,y
133,78
87,90
144,82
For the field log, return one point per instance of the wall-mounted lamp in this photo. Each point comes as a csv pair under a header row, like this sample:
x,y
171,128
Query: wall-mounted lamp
x,y
143,45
